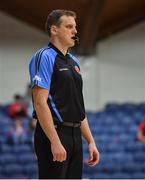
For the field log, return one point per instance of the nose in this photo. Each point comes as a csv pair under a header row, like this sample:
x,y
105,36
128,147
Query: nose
x,y
74,30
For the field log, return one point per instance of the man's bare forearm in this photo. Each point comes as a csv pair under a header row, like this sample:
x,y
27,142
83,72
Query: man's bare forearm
x,y
86,132
46,122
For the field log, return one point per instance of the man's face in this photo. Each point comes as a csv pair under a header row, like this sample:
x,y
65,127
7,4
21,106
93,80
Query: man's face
x,y
66,30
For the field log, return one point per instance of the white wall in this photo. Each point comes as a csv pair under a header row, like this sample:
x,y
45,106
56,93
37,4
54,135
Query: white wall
x,y
91,82
117,72
18,41
122,66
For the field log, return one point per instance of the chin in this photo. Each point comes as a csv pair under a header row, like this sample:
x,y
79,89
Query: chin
x,y
71,44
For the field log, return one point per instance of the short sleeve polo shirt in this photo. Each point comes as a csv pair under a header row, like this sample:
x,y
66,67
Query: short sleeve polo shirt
x,y
60,75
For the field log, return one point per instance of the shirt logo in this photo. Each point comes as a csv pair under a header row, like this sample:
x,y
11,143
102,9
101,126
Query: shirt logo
x,y
77,69
37,78
63,69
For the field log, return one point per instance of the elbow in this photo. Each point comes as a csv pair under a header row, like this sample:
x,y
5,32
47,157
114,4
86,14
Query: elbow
x,y
38,105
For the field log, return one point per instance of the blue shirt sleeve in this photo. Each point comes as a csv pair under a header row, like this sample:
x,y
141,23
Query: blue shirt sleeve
x,y
41,69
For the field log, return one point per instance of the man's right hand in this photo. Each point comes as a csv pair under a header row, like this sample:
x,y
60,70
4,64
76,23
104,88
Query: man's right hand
x,y
58,151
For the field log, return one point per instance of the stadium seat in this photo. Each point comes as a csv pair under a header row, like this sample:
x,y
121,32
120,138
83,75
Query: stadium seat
x,y
13,169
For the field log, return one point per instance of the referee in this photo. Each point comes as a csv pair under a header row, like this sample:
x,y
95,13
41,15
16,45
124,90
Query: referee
x,y
58,103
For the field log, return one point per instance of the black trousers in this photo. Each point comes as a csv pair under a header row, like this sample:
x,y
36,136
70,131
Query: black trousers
x,y
71,140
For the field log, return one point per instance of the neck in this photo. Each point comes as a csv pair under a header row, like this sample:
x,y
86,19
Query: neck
x,y
59,46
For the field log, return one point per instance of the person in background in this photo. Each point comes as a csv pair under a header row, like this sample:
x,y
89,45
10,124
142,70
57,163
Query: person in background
x,y
16,111
17,134
30,131
141,132
56,83
28,101
17,108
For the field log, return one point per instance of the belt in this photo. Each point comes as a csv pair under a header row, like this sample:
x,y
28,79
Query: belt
x,y
70,124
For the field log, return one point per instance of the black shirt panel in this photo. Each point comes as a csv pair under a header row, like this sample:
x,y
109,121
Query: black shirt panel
x,y
65,89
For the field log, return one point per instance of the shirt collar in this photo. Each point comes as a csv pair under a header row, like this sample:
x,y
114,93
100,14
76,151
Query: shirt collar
x,y
57,50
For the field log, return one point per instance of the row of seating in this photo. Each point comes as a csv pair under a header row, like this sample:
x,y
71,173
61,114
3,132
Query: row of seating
x,y
114,130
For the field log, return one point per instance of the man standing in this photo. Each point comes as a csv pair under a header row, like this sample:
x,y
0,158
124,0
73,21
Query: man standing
x,y
58,103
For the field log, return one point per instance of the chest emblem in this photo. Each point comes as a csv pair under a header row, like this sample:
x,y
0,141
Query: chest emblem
x,y
77,69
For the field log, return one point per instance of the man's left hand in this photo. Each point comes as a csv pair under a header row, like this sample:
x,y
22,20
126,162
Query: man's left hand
x,y
93,155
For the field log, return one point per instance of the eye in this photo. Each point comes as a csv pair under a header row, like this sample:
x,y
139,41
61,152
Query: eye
x,y
69,26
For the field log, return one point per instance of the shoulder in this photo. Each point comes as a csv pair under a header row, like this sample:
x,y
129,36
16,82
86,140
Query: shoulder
x,y
45,54
74,58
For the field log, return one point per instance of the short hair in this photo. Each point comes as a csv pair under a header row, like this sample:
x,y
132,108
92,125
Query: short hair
x,y
54,18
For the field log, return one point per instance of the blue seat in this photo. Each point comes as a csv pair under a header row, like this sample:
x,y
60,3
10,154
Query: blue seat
x,y
121,175
33,175
5,148
13,169
7,159
2,139
25,122
2,176
31,169
131,167
139,157
135,147
23,148
99,175
27,158
141,107
1,168
128,108
138,117
115,148
112,107
116,129
138,175
3,110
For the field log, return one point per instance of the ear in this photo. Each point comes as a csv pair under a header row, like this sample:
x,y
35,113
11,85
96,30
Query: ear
x,y
53,30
